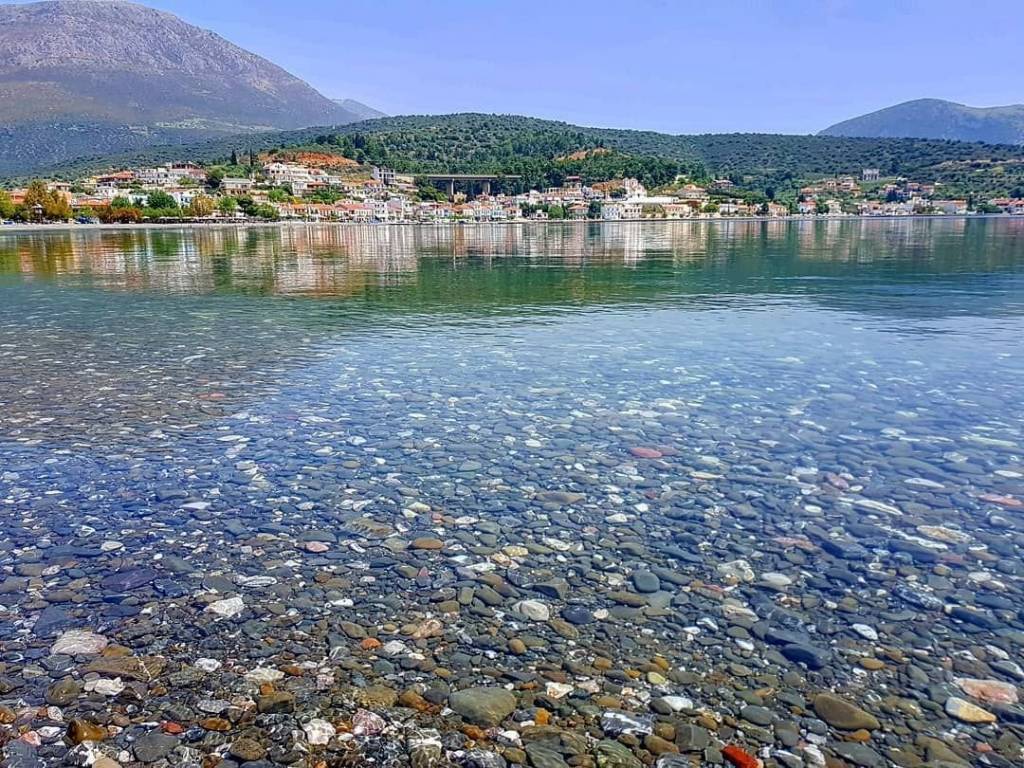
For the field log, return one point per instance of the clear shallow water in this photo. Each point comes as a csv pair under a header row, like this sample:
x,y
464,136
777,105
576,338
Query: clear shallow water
x,y
820,399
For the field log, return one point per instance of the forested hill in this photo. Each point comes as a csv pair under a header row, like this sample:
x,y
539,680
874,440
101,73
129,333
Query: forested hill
x,y
513,144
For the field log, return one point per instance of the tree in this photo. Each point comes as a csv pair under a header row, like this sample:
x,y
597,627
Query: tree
x,y
594,210
112,215
327,196
227,206
248,205
160,200
201,207
7,206
121,204
215,176
821,206
234,157
36,194
279,195
427,192
265,211
711,208
54,204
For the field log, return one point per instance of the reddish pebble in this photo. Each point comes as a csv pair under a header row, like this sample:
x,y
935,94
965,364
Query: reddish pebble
x,y
316,547
1006,501
172,728
646,453
739,758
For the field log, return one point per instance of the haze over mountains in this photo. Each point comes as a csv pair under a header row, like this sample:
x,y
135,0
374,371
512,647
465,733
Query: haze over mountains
x,y
109,75
360,110
937,119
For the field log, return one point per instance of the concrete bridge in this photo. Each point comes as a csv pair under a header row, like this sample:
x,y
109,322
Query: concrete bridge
x,y
451,179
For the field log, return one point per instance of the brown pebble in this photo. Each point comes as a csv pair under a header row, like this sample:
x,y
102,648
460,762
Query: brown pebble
x,y
427,543
83,730
215,724
658,746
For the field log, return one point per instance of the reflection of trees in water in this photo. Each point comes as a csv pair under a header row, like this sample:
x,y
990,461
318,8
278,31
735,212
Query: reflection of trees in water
x,y
458,267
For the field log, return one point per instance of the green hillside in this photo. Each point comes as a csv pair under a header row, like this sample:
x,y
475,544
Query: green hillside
x,y
540,151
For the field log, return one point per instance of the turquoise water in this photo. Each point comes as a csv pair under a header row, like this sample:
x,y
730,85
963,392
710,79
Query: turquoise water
x,y
788,385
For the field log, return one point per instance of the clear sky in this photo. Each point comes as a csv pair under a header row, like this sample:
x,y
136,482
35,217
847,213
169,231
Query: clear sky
x,y
789,66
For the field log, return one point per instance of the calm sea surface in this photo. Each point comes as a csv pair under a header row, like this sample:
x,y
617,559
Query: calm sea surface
x,y
764,452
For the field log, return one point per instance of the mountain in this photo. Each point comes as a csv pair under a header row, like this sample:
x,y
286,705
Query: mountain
x,y
74,71
359,109
938,119
535,148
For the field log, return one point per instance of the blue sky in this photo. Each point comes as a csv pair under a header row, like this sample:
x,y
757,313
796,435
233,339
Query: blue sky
x,y
791,66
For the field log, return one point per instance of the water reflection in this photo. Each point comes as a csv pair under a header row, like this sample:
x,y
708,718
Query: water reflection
x,y
112,329
620,259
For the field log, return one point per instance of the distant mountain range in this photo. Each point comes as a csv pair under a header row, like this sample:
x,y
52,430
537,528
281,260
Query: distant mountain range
x,y
359,109
937,119
102,76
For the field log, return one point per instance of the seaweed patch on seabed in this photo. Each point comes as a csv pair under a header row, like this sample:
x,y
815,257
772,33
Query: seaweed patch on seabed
x,y
692,519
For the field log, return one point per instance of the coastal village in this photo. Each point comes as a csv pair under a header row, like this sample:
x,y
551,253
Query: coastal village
x,y
282,189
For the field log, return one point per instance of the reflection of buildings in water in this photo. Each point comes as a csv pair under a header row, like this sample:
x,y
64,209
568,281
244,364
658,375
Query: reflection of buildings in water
x,y
348,259
836,240
776,231
344,260
689,240
35,254
309,260
632,243
339,260
816,237
617,242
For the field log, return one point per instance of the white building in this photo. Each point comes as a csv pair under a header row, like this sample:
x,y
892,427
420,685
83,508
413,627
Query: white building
x,y
236,186
185,195
679,211
621,210
385,176
381,211
170,174
951,207
634,188
300,179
